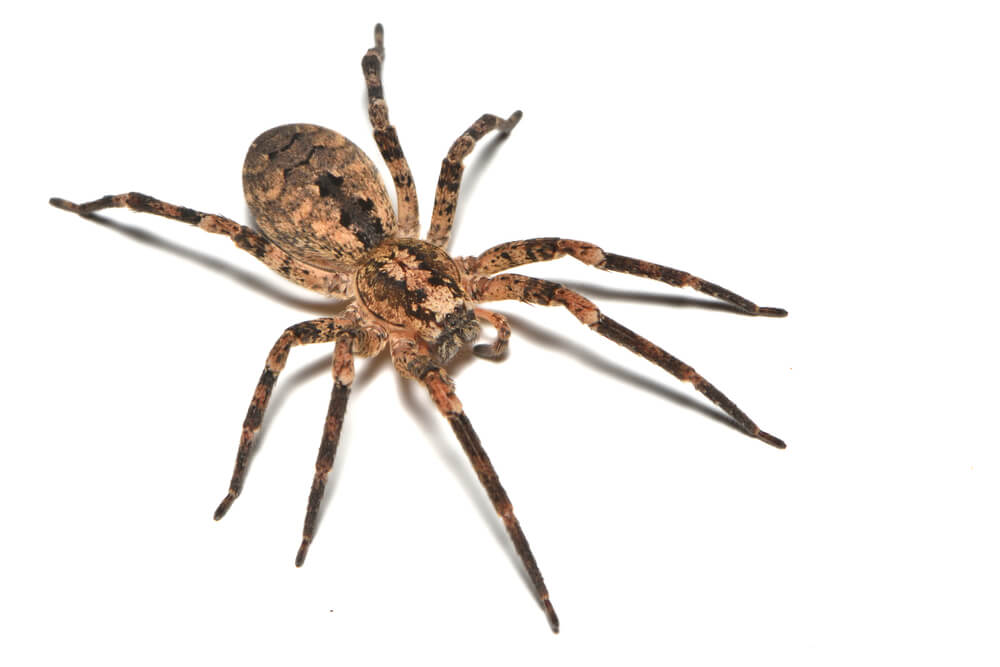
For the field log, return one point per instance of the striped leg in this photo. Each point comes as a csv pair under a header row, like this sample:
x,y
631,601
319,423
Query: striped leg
x,y
388,140
498,347
329,283
546,293
322,330
451,173
343,376
412,360
516,253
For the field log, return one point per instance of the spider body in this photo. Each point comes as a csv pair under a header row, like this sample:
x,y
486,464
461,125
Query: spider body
x,y
317,195
412,285
329,226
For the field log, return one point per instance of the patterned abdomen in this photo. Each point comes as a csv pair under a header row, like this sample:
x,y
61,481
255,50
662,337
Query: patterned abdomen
x,y
317,195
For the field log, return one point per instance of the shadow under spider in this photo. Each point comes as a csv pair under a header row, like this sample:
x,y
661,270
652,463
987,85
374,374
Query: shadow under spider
x,y
364,373
605,293
324,307
459,466
474,173
595,360
416,409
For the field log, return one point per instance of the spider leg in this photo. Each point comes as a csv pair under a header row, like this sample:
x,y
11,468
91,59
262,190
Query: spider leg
x,y
516,253
329,283
322,330
547,293
388,140
498,347
413,361
343,375
450,179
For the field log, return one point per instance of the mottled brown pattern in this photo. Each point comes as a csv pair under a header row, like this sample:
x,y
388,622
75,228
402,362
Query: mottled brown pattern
x,y
388,141
323,330
416,286
446,197
517,253
316,195
547,293
326,282
442,393
329,226
343,377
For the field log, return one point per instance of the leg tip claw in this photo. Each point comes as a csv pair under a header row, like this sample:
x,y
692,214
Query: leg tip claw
x,y
300,557
488,352
63,204
550,613
224,506
380,41
772,312
777,443
511,122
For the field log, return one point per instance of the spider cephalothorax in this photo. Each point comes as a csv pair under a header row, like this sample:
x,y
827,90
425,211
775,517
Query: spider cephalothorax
x,y
328,225
416,286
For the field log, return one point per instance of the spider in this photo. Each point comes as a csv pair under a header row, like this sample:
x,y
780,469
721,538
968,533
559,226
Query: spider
x,y
329,226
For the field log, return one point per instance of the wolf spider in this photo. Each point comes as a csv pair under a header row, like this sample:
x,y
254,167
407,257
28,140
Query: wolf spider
x,y
329,226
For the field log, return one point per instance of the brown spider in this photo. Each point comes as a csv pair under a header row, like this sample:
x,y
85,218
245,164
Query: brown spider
x,y
328,225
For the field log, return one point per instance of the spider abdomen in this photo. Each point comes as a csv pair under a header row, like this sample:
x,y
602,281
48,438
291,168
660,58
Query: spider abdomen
x,y
414,285
317,195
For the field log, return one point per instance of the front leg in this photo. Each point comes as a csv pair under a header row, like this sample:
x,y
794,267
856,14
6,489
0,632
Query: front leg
x,y
323,330
343,377
546,293
327,283
388,140
412,359
517,253
450,178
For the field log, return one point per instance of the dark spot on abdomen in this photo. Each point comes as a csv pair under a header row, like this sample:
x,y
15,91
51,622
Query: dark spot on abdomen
x,y
329,185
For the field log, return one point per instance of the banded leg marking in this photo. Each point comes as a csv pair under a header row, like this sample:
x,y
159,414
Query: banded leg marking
x,y
329,283
412,360
516,253
343,376
447,402
388,140
322,330
547,293
450,179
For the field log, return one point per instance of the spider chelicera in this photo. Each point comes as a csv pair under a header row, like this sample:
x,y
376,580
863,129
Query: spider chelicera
x,y
329,226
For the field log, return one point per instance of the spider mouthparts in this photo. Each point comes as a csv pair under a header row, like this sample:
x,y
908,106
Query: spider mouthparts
x,y
771,440
772,312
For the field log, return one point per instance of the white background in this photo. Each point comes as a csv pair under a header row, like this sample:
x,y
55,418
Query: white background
x,y
836,159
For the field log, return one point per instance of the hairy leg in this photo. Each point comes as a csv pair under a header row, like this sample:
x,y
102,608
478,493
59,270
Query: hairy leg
x,y
323,330
388,140
412,360
328,283
450,179
517,253
547,293
343,376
